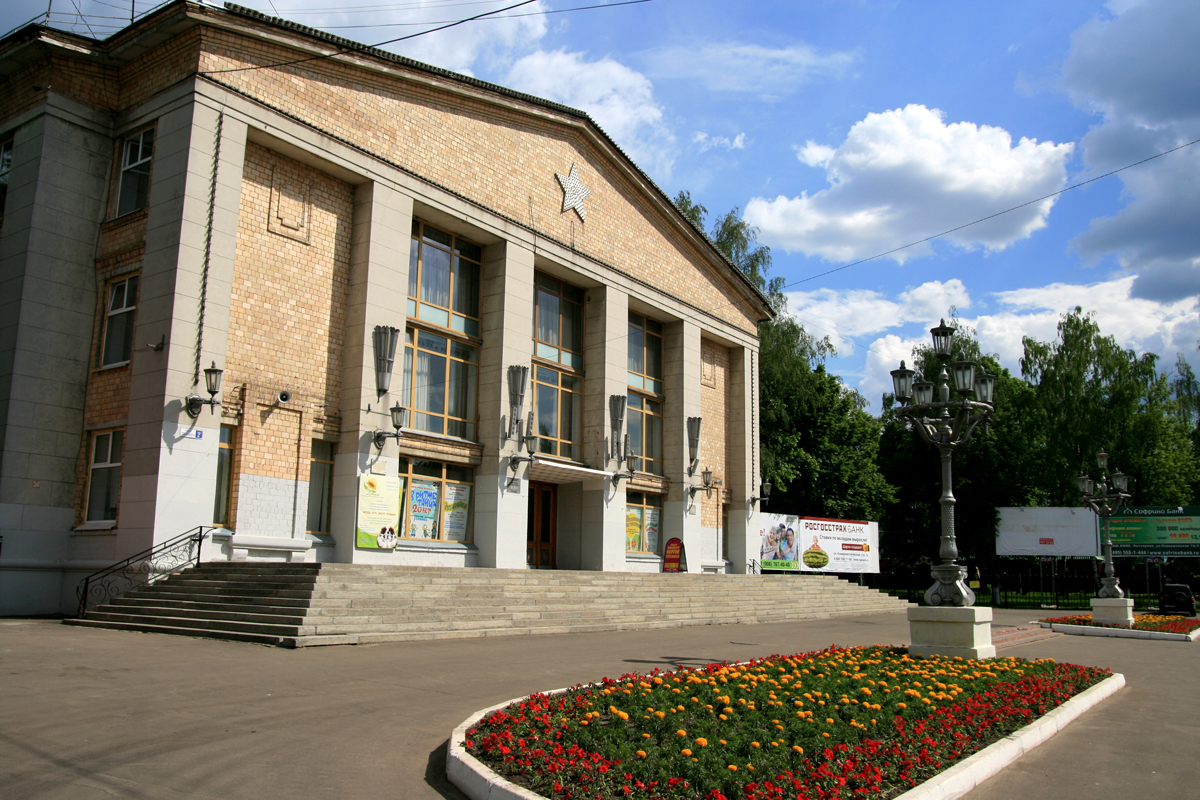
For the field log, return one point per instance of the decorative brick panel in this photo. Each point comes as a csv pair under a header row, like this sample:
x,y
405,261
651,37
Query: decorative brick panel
x,y
713,408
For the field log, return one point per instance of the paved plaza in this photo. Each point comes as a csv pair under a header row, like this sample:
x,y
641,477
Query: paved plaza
x,y
95,714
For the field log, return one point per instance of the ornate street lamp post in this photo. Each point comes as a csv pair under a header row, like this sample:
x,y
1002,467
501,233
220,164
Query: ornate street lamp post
x,y
1104,502
946,423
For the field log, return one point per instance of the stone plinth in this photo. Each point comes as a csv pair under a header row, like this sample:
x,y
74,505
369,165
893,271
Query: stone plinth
x,y
1112,611
950,632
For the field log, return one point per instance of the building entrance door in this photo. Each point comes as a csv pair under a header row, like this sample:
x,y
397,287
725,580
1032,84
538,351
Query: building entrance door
x,y
541,539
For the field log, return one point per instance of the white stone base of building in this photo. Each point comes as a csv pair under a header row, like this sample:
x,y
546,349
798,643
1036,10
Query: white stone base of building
x,y
949,632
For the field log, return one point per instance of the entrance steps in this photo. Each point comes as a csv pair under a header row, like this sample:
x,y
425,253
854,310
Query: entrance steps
x,y
299,605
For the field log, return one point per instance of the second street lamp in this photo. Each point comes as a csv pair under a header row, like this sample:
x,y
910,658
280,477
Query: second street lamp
x,y
946,423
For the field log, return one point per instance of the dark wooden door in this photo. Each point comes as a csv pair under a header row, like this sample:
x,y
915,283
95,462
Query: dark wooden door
x,y
542,535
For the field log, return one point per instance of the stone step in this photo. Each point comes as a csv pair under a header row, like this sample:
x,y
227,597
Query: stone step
x,y
206,633
1003,638
297,605
173,621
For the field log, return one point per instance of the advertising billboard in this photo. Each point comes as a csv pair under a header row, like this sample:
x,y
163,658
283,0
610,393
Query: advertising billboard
x,y
1047,532
815,544
1156,531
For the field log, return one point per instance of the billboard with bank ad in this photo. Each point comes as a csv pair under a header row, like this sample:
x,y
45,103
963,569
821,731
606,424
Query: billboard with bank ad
x,y
815,544
1156,531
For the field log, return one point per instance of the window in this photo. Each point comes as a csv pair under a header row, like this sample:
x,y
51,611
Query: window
x,y
435,501
558,322
643,522
645,408
440,379
559,399
645,424
104,478
443,280
134,192
320,486
5,167
224,478
118,322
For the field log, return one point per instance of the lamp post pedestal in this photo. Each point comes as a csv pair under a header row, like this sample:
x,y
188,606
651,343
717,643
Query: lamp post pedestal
x,y
1112,611
949,632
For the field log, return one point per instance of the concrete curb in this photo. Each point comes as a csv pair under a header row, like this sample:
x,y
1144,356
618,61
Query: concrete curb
x,y
478,782
1120,633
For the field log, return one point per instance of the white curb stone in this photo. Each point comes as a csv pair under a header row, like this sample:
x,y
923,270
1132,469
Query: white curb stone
x,y
1121,633
478,782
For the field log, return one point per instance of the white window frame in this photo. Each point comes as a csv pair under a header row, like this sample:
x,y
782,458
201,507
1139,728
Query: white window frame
x,y
137,152
128,306
106,464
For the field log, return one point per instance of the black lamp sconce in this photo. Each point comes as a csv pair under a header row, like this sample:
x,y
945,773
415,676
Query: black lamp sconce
x,y
707,486
399,420
764,493
212,382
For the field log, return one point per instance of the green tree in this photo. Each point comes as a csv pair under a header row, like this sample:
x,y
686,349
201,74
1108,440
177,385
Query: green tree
x,y
822,449
1094,395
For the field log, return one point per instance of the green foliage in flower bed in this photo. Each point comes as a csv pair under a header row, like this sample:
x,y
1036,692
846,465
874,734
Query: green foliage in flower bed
x,y
1141,622
859,723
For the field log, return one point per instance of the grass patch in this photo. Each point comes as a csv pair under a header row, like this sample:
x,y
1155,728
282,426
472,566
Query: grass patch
x,y
867,722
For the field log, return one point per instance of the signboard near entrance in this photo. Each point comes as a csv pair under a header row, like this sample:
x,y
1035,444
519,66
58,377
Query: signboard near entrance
x,y
674,558
378,511
1172,531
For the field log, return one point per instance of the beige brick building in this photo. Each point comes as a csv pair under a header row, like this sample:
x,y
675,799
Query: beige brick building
x,y
344,234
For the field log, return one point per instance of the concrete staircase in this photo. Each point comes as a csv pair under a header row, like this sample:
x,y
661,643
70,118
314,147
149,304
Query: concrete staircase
x,y
298,605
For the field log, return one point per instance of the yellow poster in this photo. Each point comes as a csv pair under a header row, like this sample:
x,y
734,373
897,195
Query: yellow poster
x,y
378,512
633,530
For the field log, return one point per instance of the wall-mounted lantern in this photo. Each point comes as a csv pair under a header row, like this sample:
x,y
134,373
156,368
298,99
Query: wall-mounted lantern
x,y
385,339
212,382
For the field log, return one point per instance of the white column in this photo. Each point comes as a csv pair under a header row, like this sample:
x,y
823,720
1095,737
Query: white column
x,y
376,295
169,474
743,457
602,545
502,512
681,381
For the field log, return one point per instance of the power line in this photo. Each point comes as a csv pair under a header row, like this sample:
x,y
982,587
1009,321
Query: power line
x,y
360,48
506,16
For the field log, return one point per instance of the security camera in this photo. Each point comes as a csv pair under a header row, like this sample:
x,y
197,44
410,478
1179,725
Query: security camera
x,y
284,396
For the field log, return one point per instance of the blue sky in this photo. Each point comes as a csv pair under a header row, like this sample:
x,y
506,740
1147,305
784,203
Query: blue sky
x,y
846,129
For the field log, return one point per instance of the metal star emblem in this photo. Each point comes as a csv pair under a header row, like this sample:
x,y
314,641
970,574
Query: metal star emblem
x,y
573,193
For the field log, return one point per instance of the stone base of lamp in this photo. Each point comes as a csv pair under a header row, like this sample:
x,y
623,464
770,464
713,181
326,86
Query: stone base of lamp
x,y
1112,611
949,632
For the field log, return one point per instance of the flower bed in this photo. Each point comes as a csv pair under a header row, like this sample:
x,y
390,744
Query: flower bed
x,y
837,723
1141,622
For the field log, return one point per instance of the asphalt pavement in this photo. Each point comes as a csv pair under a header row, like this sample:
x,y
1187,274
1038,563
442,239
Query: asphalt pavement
x,y
90,714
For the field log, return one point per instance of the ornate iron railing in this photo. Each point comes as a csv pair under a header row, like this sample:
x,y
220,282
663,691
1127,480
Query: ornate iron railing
x,y
142,568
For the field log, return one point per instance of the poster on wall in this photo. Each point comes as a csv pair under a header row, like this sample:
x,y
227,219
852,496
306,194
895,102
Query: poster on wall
x,y
653,526
1156,531
456,512
378,512
633,530
815,544
423,507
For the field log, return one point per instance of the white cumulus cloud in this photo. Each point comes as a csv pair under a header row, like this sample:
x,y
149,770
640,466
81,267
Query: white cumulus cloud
x,y
768,73
705,142
905,174
1138,71
621,100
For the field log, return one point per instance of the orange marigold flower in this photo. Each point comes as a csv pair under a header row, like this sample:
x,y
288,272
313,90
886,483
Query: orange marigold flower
x,y
798,749
702,742
681,733
733,767
686,752
641,753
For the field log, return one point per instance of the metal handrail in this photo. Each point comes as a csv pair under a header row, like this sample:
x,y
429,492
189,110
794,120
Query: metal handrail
x,y
142,568
753,567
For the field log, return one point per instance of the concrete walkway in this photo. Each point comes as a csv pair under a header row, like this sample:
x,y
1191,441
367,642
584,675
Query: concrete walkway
x,y
108,714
